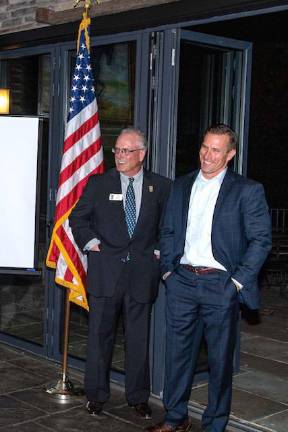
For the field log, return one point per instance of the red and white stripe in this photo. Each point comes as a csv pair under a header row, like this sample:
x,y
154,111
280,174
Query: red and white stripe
x,y
82,157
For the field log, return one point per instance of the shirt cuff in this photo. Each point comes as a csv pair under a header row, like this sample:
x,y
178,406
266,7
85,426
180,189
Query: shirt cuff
x,y
90,244
238,285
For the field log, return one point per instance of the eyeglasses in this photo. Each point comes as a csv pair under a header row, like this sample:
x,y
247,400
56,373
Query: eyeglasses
x,y
125,151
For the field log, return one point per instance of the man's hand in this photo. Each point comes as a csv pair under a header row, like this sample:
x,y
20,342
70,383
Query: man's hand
x,y
157,254
166,275
95,248
237,284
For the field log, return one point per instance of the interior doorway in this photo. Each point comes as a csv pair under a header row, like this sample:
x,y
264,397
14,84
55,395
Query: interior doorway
x,y
214,84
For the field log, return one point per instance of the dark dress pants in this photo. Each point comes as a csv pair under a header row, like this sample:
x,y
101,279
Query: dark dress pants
x,y
104,313
212,300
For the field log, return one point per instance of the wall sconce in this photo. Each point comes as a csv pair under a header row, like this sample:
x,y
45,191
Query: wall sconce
x,y
4,101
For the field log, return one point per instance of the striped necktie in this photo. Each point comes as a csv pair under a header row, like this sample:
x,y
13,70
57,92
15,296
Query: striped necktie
x,y
130,207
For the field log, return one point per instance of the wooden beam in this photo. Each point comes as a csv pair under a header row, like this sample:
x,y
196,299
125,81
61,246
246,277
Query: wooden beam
x,y
49,16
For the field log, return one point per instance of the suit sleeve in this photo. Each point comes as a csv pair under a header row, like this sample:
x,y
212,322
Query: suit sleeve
x,y
257,231
163,197
167,235
80,217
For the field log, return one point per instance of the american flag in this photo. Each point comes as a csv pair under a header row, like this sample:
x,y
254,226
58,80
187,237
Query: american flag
x,y
82,157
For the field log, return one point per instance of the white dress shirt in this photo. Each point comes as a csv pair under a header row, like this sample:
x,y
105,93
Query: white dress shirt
x,y
198,248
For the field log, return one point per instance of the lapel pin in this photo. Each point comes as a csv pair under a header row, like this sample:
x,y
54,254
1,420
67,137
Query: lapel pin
x,y
151,189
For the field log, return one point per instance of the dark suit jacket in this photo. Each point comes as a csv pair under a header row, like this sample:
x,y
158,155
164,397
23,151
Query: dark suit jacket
x,y
241,230
97,216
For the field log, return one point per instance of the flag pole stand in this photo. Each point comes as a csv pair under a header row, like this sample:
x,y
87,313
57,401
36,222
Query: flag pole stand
x,y
63,390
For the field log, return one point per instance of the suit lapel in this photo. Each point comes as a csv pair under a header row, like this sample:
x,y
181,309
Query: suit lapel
x,y
148,188
115,176
223,192
222,196
186,198
117,189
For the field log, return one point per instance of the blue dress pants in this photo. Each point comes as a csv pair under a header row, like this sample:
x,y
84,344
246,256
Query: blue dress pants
x,y
213,299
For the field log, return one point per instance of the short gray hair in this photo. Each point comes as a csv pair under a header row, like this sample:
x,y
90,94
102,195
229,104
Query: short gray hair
x,y
135,131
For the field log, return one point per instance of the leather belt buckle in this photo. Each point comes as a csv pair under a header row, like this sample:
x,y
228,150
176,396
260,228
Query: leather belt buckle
x,y
199,270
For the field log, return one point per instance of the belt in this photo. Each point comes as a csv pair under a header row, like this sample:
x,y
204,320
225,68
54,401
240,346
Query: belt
x,y
199,270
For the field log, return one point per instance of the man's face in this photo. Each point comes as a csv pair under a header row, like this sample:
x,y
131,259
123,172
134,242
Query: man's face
x,y
215,154
130,163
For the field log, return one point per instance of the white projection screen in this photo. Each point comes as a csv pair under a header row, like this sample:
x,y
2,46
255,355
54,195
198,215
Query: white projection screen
x,y
18,181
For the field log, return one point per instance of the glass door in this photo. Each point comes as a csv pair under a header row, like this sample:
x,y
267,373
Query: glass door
x,y
28,75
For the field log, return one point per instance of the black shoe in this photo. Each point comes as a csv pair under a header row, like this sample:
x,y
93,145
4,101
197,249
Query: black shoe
x,y
143,410
94,408
163,427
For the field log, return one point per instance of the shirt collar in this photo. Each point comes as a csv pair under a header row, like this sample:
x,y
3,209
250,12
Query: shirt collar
x,y
137,177
217,179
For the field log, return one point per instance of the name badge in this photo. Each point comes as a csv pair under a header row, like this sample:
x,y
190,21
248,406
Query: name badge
x,y
115,197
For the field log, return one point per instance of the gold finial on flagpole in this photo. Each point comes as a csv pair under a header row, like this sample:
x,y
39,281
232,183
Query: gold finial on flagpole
x,y
85,21
87,3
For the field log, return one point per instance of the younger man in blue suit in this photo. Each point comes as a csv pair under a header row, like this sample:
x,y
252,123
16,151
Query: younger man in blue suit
x,y
215,237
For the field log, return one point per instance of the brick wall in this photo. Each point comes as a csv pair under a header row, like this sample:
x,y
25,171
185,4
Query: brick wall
x,y
18,15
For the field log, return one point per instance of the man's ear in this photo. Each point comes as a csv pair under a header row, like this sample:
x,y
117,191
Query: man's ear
x,y
231,154
143,154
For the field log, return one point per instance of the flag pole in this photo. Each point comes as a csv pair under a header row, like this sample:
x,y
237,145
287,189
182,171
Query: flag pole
x,y
64,389
66,337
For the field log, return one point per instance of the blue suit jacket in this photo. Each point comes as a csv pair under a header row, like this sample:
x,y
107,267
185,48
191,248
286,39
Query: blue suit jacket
x,y
241,230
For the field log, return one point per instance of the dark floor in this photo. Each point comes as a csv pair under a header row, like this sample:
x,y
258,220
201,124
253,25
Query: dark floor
x,y
24,406
260,389
260,396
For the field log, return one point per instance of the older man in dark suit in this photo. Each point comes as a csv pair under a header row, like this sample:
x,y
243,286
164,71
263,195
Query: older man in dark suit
x,y
215,238
117,221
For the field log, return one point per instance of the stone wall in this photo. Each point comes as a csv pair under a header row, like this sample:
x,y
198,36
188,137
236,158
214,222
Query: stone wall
x,y
18,15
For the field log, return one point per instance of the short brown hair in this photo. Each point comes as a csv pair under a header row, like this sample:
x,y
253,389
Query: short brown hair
x,y
223,129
